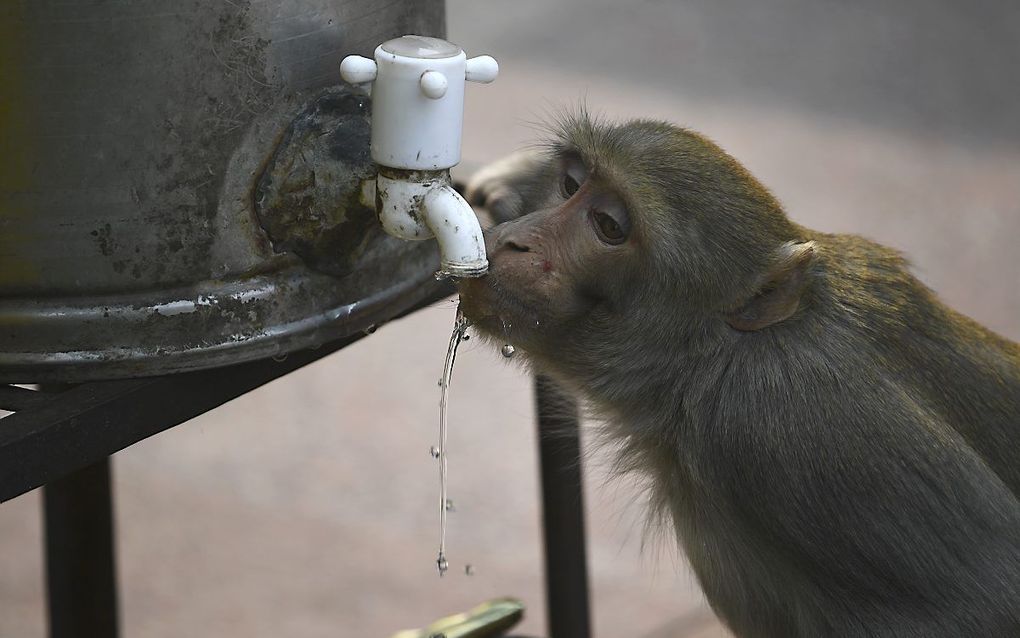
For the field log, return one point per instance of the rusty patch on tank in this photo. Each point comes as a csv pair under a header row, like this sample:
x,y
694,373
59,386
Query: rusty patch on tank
x,y
308,198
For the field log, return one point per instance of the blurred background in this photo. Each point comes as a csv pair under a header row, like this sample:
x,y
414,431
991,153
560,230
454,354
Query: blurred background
x,y
306,508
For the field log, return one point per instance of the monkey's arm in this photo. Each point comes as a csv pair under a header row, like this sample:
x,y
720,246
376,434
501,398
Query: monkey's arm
x,y
513,185
855,496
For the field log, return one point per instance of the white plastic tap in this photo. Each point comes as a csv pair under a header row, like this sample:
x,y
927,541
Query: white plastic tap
x,y
418,99
417,119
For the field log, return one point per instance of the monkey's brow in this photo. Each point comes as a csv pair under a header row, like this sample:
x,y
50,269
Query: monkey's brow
x,y
569,152
600,168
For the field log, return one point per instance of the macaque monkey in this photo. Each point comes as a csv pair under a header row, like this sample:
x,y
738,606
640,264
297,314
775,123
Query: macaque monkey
x,y
838,452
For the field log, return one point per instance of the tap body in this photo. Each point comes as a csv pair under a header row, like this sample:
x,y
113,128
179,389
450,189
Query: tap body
x,y
422,204
417,119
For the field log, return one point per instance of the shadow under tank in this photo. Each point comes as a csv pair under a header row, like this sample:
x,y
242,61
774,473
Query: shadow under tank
x,y
180,184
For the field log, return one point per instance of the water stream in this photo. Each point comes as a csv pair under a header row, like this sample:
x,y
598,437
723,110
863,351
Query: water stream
x,y
460,326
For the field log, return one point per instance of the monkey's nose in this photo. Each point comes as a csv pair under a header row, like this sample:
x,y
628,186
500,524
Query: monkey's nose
x,y
504,238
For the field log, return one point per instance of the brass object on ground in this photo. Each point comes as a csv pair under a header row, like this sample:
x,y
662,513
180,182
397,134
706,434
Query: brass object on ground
x,y
487,620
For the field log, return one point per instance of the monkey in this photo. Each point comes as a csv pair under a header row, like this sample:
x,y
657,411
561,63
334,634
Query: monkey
x,y
835,449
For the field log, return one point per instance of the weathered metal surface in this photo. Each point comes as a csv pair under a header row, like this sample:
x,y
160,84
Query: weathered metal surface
x,y
59,430
176,184
310,198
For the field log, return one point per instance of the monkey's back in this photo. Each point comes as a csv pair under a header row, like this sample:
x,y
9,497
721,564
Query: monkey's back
x,y
959,369
854,471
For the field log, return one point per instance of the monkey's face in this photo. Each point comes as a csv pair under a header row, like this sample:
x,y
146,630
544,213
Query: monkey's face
x,y
555,268
651,230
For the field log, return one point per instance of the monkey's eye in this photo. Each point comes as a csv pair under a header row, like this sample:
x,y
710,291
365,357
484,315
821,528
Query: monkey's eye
x,y
608,229
570,185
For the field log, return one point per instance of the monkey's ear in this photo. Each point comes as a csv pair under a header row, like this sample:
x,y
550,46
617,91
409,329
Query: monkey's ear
x,y
780,292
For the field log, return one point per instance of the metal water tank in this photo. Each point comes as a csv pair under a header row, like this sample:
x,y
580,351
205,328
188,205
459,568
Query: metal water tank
x,y
178,183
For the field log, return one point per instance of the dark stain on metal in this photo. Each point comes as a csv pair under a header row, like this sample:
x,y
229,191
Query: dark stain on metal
x,y
308,196
104,240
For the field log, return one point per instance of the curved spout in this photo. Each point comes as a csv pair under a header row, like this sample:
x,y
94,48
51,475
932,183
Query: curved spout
x,y
422,204
455,226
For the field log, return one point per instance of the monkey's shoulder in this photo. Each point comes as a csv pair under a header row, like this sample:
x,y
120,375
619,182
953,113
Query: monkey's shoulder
x,y
872,287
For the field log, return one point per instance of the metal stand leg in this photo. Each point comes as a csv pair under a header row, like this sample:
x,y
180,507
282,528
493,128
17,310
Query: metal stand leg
x,y
566,571
80,569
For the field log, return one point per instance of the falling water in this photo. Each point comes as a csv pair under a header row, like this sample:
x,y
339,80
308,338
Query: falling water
x,y
508,349
460,326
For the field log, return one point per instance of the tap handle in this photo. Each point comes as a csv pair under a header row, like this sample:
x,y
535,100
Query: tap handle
x,y
433,84
483,69
357,70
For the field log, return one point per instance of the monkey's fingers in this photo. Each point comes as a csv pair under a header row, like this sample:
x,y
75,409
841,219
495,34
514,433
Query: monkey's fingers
x,y
496,187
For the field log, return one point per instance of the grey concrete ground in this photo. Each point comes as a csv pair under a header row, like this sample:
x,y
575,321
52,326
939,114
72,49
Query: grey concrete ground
x,y
306,508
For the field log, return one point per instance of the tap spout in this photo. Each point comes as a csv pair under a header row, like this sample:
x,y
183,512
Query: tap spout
x,y
456,227
423,204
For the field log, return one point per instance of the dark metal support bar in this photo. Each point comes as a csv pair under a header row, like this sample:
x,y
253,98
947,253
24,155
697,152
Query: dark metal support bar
x,y
81,576
14,398
566,570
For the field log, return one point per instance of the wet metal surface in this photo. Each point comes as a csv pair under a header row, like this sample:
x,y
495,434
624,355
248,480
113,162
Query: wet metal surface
x,y
176,183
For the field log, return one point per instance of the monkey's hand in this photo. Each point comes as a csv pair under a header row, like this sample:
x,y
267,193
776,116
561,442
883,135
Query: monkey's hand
x,y
507,186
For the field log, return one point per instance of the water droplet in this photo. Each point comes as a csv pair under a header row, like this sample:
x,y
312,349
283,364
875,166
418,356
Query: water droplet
x,y
449,505
440,275
434,452
442,564
280,358
469,570
508,350
369,330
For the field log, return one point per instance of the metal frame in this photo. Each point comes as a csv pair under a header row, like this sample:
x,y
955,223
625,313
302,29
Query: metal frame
x,y
566,566
81,571
62,439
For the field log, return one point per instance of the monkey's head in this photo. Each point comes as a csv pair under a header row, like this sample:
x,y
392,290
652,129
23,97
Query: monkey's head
x,y
647,227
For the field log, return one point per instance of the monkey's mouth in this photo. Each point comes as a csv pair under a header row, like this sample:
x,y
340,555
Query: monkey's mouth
x,y
494,309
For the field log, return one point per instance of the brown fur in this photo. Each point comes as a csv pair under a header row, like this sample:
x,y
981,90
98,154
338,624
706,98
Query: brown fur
x,y
837,450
